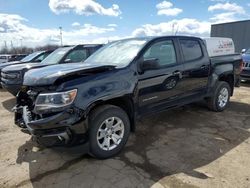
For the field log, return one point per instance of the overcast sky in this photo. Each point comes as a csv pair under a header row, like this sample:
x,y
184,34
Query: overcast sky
x,y
36,22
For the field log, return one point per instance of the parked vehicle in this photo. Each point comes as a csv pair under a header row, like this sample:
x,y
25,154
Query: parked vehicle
x,y
17,57
5,58
245,74
34,57
12,76
101,99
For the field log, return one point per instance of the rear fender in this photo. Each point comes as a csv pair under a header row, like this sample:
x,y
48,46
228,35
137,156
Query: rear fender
x,y
222,73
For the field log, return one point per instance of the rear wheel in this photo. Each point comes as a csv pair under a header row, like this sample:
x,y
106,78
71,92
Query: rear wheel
x,y
109,131
219,101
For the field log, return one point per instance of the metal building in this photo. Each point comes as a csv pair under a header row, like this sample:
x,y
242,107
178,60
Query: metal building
x,y
238,31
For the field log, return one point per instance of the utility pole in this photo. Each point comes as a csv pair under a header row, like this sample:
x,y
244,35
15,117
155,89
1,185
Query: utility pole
x,y
177,30
60,28
21,43
173,25
5,44
11,44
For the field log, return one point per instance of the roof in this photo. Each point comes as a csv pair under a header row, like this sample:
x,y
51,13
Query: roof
x,y
89,45
6,54
242,21
149,38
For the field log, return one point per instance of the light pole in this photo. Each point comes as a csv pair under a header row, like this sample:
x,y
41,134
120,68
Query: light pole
x,y
21,42
60,28
173,27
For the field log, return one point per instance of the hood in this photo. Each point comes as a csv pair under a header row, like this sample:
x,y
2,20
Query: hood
x,y
48,75
246,57
2,65
20,67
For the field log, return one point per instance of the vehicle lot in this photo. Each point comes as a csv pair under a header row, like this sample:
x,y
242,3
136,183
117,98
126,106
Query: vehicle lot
x,y
185,147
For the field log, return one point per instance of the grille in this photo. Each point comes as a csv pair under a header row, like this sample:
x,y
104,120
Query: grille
x,y
245,72
246,64
11,77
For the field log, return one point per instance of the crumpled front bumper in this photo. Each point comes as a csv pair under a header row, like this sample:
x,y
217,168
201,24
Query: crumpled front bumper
x,y
63,125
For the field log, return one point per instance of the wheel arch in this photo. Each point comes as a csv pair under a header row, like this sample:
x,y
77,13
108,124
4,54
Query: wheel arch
x,y
229,78
125,103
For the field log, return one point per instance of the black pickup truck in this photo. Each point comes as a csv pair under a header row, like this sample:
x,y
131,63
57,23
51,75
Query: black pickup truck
x,y
101,99
12,76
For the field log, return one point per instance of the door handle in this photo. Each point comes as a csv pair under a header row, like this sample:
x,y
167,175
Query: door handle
x,y
203,66
176,73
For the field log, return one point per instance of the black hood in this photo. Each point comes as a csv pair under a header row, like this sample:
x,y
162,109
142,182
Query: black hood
x,y
48,75
20,67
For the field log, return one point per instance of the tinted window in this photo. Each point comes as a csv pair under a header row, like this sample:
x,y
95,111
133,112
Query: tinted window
x,y
191,49
77,55
118,53
163,51
39,58
56,56
31,57
3,57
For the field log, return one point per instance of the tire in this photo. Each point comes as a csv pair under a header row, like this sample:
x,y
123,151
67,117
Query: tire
x,y
220,100
102,135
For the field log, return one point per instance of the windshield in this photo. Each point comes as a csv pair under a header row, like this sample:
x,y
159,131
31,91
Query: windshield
x,y
30,57
56,56
119,53
248,51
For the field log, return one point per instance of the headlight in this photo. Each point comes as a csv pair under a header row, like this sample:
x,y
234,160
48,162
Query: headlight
x,y
54,101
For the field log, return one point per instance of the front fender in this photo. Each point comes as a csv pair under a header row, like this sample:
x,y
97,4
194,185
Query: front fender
x,y
93,89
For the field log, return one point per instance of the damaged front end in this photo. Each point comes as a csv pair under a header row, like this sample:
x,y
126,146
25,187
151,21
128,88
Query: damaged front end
x,y
50,117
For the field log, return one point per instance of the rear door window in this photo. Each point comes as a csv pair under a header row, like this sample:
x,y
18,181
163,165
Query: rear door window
x,y
191,49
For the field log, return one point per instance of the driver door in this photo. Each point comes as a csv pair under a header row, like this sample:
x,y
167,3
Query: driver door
x,y
158,88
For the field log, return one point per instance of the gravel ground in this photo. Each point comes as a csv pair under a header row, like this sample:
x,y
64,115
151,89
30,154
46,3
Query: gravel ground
x,y
185,147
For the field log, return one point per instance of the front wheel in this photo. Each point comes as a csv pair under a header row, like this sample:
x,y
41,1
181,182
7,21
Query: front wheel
x,y
109,131
220,99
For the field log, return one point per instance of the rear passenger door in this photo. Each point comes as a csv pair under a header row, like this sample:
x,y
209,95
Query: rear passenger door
x,y
196,66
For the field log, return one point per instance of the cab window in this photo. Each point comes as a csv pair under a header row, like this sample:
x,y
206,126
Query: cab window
x,y
77,56
191,49
40,58
164,51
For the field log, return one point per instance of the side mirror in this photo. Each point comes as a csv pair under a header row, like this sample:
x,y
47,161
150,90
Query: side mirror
x,y
67,61
150,64
243,51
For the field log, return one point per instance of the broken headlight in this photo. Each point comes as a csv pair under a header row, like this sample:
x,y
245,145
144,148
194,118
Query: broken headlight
x,y
54,101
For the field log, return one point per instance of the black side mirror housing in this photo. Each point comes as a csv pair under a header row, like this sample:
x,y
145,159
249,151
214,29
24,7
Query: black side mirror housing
x,y
150,64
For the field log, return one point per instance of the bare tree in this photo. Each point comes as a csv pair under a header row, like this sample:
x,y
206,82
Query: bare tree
x,y
26,50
